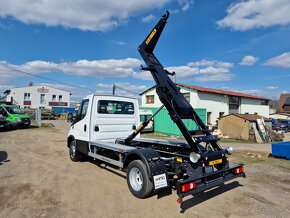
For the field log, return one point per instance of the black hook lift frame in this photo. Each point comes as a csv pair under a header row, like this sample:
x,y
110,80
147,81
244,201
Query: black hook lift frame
x,y
170,95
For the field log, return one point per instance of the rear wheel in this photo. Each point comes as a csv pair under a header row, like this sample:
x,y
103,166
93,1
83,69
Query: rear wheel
x,y
138,179
73,153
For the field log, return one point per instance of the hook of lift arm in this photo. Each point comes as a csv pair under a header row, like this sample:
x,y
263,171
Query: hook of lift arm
x,y
165,16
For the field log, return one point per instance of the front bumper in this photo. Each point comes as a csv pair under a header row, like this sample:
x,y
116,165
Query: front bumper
x,y
206,182
2,123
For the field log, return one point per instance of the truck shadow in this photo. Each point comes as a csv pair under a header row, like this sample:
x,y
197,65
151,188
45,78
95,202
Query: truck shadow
x,y
204,196
106,166
3,157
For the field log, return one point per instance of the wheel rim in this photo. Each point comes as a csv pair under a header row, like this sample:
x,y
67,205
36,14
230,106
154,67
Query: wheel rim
x,y
72,150
136,179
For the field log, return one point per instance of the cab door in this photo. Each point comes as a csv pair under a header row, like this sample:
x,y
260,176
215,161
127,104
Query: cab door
x,y
80,129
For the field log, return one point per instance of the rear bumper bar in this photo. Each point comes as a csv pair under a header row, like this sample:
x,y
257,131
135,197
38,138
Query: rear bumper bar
x,y
203,183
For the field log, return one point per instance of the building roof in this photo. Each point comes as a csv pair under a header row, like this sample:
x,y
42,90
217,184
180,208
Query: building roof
x,y
216,91
283,104
250,117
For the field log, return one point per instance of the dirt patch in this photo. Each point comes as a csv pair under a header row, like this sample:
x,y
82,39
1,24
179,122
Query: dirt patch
x,y
39,180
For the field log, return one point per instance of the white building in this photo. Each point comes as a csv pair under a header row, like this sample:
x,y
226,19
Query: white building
x,y
217,103
39,96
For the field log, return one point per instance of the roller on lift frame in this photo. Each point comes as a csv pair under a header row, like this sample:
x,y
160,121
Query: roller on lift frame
x,y
201,163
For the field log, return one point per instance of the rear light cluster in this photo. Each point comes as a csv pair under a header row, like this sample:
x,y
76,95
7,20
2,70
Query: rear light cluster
x,y
188,186
239,170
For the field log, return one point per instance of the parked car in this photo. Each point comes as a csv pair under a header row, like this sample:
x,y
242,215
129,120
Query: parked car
x,y
3,122
283,125
15,116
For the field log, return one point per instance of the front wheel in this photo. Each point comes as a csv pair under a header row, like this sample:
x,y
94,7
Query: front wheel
x,y
73,153
138,179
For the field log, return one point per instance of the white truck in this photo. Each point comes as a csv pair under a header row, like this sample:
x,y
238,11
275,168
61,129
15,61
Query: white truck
x,y
101,120
108,128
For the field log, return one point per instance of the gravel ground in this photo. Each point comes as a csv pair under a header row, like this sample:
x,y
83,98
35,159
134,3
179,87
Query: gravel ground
x,y
37,179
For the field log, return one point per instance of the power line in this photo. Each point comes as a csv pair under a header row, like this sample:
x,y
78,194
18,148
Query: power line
x,y
42,77
59,82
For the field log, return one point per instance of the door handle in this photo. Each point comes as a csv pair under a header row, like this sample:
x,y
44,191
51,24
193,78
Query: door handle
x,y
85,127
97,129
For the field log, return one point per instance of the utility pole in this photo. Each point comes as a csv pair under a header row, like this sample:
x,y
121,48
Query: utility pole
x,y
114,89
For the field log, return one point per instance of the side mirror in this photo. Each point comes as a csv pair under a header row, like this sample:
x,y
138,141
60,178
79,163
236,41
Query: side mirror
x,y
70,118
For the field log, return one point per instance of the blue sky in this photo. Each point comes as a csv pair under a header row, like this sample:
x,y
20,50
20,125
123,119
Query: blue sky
x,y
239,46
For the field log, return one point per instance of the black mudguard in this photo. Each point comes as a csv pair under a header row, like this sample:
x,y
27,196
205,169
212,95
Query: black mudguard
x,y
151,159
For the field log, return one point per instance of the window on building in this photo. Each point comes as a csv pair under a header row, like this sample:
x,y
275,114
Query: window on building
x,y
208,118
256,113
264,102
60,98
187,96
149,99
247,113
27,96
42,98
234,104
53,97
234,100
221,114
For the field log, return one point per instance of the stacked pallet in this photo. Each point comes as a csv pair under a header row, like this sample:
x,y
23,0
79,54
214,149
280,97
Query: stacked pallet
x,y
46,114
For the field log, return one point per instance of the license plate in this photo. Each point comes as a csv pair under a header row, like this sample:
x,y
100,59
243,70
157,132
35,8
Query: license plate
x,y
1,125
26,122
160,181
215,162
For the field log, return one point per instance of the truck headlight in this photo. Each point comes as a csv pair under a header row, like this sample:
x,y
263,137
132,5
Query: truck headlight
x,y
18,119
229,150
194,157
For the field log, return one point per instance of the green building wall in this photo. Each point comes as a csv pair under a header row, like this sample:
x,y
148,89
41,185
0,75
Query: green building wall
x,y
163,123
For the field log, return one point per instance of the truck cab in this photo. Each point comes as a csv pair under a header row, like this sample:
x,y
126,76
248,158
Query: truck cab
x,y
103,118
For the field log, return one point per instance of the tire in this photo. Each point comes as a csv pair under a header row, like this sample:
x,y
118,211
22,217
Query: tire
x,y
138,179
7,126
74,154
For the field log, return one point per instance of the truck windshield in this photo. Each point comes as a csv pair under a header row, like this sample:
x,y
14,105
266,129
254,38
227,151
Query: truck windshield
x,y
14,110
115,107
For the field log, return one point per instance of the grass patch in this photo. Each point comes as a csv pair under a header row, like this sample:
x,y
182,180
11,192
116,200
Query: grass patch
x,y
236,141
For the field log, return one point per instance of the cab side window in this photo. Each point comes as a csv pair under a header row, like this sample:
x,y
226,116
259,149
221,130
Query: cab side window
x,y
3,112
84,109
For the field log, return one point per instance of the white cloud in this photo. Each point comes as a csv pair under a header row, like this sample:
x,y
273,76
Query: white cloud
x,y
201,63
185,4
110,68
145,75
272,87
118,42
213,70
282,60
249,60
123,86
245,15
148,18
100,15
183,72
124,89
201,71
215,77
